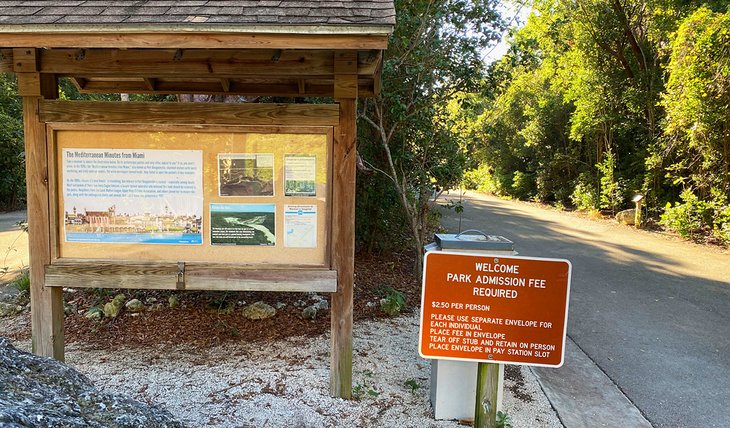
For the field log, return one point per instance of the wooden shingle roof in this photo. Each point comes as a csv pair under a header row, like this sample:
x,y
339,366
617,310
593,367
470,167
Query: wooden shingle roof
x,y
265,47
323,13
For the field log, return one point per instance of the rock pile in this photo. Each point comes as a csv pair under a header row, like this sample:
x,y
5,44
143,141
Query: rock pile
x,y
42,392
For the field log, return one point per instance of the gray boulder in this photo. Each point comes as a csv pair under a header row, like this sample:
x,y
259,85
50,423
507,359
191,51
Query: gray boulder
x,y
134,305
10,293
626,217
9,309
42,392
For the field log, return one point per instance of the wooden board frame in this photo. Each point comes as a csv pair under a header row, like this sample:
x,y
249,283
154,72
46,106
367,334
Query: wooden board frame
x,y
37,87
220,276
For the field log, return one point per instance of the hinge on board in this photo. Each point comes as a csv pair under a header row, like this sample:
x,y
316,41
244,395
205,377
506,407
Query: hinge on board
x,y
180,285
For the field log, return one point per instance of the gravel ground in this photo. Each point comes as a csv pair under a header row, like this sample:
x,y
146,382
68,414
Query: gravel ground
x,y
285,383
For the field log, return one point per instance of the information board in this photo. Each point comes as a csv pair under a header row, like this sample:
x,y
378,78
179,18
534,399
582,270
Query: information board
x,y
494,309
215,194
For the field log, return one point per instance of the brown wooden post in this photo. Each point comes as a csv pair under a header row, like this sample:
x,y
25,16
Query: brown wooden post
x,y
343,224
46,303
485,413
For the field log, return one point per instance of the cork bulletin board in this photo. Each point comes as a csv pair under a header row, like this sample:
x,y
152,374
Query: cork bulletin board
x,y
240,195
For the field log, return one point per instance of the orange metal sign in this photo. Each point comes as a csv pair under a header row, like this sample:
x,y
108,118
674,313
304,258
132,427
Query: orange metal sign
x,y
494,309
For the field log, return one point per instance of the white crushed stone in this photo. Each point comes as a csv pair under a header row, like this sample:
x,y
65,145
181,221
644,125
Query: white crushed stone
x,y
286,383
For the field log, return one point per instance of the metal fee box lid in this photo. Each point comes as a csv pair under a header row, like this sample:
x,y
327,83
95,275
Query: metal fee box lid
x,y
477,241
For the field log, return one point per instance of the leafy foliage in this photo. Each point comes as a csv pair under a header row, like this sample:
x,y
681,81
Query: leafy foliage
x,y
12,151
598,99
409,134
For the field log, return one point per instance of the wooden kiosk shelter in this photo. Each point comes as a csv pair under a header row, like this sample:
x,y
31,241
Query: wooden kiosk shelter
x,y
288,48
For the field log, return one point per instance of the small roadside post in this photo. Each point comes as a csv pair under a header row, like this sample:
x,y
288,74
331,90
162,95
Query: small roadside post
x,y
482,304
637,216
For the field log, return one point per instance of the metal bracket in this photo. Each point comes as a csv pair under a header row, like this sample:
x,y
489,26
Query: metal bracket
x,y
180,285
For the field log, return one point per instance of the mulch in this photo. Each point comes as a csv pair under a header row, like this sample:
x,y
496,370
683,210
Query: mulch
x,y
205,319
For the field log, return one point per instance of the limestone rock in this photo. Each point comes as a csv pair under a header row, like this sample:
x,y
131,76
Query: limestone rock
x,y
134,305
310,312
258,311
626,217
10,294
70,309
94,312
111,309
9,309
41,392
173,301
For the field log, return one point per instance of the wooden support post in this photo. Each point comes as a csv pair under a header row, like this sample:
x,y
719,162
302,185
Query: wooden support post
x,y
485,413
46,303
343,249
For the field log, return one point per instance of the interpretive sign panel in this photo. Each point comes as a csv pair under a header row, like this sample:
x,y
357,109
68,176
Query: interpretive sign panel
x,y
494,309
133,196
246,174
217,194
300,222
242,224
300,174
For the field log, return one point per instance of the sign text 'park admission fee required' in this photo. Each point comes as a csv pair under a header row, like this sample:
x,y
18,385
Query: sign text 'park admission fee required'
x,y
494,309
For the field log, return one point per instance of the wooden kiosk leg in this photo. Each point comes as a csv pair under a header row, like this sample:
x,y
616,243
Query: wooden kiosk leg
x,y
46,302
343,250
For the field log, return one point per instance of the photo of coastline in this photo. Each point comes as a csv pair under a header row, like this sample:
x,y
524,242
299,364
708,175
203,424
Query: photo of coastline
x,y
108,225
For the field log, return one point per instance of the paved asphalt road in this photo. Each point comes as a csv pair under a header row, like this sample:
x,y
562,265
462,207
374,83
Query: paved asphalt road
x,y
651,311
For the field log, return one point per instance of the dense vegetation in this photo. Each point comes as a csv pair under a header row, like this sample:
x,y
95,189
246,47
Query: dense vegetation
x,y
595,101
600,99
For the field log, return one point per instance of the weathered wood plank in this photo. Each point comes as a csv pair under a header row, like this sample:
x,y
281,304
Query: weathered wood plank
x,y
346,62
189,113
46,303
29,84
485,412
193,62
25,60
345,86
254,86
196,276
6,61
343,249
182,40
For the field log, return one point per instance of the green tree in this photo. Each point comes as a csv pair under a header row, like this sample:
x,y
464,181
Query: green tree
x,y
696,146
406,133
12,152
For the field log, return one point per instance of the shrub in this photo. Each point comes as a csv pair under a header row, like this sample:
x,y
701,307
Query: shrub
x,y
523,185
688,217
584,196
393,302
481,179
721,223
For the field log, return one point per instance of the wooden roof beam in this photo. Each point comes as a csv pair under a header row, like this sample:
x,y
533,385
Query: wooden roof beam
x,y
183,40
254,87
6,60
197,62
